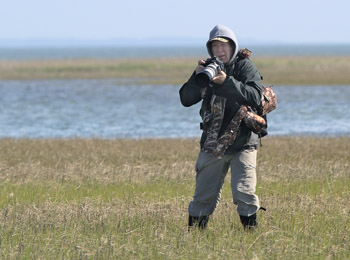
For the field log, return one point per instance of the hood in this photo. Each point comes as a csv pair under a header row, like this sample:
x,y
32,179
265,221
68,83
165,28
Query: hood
x,y
224,32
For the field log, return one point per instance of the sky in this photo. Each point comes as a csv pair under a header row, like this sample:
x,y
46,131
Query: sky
x,y
180,22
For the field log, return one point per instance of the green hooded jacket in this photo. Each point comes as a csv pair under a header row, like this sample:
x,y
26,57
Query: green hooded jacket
x,y
242,86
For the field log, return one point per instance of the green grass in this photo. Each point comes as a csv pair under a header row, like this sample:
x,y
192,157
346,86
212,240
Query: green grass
x,y
275,70
128,199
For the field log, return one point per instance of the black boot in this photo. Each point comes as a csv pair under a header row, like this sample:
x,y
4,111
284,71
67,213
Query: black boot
x,y
201,222
249,223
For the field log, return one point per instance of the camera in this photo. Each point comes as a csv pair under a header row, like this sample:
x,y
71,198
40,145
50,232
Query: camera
x,y
212,67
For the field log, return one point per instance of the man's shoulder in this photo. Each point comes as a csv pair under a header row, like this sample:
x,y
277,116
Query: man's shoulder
x,y
241,62
244,64
244,68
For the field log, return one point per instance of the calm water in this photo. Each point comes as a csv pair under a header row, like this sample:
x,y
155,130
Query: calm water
x,y
111,109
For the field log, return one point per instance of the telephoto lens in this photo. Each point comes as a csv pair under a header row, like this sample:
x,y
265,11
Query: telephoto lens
x,y
207,75
212,67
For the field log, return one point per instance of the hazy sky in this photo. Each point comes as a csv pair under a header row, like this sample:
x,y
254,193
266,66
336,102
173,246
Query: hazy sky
x,y
266,21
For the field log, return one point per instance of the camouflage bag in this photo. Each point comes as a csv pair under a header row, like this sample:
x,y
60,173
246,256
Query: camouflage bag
x,y
268,101
216,117
256,122
218,145
269,97
230,134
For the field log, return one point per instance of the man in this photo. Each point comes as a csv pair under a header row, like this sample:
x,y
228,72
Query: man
x,y
237,84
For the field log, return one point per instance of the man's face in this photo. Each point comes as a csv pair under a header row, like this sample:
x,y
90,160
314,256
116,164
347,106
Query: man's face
x,y
222,50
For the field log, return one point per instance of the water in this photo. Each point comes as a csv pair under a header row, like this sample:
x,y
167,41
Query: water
x,y
113,109
311,110
98,52
30,53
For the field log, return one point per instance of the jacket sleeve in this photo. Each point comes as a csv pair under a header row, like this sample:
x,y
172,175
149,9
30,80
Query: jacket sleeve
x,y
245,86
190,92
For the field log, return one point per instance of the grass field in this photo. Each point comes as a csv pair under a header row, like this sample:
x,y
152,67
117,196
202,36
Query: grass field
x,y
275,70
127,199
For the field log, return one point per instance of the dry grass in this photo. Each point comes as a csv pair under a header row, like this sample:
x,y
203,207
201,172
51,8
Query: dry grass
x,y
275,70
304,70
127,199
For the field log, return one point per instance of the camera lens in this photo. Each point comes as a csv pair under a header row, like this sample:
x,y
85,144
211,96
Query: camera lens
x,y
206,76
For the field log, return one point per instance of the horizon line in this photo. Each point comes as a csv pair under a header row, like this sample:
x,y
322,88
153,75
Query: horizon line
x,y
142,42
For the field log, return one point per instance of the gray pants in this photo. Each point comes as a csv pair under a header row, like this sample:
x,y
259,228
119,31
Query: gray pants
x,y
211,173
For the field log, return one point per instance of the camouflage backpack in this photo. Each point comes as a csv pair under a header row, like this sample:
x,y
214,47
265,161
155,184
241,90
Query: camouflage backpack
x,y
268,101
256,122
269,97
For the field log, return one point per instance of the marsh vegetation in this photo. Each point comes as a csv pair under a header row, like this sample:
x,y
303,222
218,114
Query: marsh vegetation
x,y
127,199
275,70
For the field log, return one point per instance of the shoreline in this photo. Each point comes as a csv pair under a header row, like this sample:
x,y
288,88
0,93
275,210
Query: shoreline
x,y
169,139
283,70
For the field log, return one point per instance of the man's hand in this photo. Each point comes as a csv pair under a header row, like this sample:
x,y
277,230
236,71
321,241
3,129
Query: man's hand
x,y
200,66
220,77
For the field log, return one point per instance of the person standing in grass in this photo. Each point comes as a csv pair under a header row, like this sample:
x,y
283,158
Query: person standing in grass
x,y
236,82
